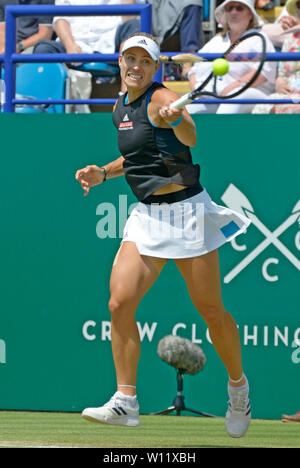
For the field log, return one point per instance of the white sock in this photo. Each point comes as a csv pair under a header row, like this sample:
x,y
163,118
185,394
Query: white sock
x,y
244,387
131,399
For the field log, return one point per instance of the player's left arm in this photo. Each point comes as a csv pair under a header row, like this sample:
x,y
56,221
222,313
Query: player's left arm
x,y
93,175
178,120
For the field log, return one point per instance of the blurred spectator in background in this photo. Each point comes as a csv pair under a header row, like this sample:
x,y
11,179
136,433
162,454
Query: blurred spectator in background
x,y
285,24
236,17
287,82
178,17
264,4
86,34
30,30
177,25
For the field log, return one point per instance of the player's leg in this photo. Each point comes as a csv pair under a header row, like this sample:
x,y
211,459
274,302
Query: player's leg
x,y
202,276
132,276
203,282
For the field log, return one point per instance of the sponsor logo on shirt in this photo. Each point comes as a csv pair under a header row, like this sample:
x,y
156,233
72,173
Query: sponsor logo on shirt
x,y
126,124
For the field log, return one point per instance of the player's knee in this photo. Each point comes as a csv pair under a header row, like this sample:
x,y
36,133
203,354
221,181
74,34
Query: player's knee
x,y
114,306
118,306
213,315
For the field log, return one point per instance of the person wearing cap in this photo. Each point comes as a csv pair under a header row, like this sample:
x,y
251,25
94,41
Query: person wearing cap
x,y
174,219
236,17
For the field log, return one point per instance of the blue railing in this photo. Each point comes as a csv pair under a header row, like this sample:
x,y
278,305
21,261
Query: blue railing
x,y
10,58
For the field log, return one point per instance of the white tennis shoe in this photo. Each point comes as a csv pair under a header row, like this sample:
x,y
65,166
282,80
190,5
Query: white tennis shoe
x,y
119,410
238,415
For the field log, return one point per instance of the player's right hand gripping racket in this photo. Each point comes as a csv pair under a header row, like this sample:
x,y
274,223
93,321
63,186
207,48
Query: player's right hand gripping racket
x,y
259,57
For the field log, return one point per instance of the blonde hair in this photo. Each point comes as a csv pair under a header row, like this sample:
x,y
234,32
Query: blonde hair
x,y
150,36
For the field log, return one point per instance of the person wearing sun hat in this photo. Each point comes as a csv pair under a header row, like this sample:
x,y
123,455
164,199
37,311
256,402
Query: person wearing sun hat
x,y
235,17
220,12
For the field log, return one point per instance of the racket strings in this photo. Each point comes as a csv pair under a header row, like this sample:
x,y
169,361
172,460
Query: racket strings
x,y
211,80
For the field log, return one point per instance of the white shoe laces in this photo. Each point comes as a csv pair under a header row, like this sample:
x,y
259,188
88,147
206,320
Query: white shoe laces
x,y
113,401
239,401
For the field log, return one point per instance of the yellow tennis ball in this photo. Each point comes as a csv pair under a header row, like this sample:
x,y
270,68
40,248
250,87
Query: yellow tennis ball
x,y
220,66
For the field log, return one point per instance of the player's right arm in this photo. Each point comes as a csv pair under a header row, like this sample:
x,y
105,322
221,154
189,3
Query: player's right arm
x,y
93,175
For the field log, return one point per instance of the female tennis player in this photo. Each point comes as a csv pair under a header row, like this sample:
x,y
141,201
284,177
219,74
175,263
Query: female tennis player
x,y
175,219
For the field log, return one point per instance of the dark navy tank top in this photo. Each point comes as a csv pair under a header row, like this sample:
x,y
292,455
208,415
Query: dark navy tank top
x,y
154,157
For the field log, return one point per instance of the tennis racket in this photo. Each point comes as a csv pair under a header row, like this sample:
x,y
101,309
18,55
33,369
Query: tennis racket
x,y
258,57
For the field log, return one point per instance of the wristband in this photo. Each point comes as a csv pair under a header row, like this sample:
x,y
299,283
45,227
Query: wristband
x,y
105,173
176,123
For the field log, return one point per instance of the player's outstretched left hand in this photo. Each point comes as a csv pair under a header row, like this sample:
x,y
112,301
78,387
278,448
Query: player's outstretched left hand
x,y
89,176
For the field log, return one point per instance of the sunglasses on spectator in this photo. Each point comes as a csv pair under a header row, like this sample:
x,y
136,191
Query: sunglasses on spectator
x,y
229,8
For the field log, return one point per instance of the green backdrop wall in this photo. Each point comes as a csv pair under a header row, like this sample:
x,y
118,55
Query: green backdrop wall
x,y
55,349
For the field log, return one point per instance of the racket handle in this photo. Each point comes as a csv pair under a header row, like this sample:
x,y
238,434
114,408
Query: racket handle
x,y
181,102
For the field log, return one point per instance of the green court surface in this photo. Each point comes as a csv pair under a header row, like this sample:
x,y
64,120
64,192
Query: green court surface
x,y
42,429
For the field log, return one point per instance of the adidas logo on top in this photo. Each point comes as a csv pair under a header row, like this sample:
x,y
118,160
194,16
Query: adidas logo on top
x,y
142,41
125,118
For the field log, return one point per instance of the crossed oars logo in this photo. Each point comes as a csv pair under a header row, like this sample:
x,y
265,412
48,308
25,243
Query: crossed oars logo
x,y
237,201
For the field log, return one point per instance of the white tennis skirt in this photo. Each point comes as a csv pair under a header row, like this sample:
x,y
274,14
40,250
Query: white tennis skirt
x,y
182,229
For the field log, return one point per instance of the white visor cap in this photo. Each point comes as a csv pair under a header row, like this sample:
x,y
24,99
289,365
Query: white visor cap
x,y
145,43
